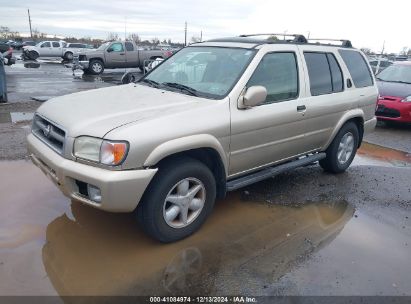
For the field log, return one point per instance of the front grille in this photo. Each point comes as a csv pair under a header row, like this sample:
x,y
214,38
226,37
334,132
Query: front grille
x,y
49,133
387,112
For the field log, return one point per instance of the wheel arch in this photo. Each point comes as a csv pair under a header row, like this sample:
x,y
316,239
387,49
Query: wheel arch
x,y
356,116
204,148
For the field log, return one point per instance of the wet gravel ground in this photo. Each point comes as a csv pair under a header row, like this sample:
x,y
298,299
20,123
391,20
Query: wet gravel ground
x,y
393,135
49,77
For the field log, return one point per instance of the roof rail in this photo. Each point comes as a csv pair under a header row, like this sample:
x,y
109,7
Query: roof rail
x,y
344,42
297,38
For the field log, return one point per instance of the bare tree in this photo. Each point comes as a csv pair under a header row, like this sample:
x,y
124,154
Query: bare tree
x,y
195,39
4,32
134,37
155,40
112,36
272,38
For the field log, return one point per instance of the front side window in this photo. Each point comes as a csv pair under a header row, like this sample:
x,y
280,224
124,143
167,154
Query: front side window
x,y
358,68
278,73
209,72
117,47
46,44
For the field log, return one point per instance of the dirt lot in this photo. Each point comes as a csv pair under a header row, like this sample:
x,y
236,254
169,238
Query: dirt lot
x,y
301,233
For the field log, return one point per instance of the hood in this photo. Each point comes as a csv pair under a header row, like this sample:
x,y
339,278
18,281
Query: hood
x,y
97,112
394,89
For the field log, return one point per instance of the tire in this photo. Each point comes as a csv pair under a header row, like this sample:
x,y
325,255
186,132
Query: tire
x,y
171,181
68,56
342,150
96,67
32,55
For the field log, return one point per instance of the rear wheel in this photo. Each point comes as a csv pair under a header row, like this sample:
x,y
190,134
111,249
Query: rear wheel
x,y
342,150
178,200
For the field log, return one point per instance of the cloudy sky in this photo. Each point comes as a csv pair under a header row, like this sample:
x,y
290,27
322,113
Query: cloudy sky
x,y
367,23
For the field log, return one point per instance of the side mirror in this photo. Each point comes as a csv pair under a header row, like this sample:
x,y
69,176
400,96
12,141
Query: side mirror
x,y
109,50
254,96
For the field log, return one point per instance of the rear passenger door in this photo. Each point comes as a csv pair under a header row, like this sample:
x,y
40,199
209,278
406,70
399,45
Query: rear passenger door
x,y
56,49
327,97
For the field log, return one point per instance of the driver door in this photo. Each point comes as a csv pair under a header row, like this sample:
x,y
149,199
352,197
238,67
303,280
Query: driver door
x,y
273,131
45,49
116,55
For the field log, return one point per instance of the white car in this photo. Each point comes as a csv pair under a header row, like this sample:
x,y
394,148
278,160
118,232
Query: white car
x,y
53,49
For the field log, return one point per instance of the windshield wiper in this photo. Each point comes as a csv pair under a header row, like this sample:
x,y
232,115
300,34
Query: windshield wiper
x,y
181,87
151,82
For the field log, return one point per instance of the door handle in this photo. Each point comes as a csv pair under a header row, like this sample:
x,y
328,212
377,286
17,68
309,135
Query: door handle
x,y
301,109
122,54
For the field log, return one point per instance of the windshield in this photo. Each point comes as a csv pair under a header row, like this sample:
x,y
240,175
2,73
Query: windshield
x,y
396,73
202,71
103,46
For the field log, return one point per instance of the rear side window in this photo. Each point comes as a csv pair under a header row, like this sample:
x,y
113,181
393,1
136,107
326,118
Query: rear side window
x,y
358,68
56,44
129,46
278,73
324,73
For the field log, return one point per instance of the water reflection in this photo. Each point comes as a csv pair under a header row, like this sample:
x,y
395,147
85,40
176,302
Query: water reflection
x,y
98,253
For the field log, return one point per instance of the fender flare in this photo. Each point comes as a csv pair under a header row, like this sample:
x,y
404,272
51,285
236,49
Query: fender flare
x,y
185,144
355,113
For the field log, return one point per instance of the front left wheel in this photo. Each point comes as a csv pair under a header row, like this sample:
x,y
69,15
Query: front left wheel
x,y
178,200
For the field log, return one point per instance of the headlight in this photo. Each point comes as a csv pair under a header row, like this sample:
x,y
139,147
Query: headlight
x,y
88,148
407,99
107,152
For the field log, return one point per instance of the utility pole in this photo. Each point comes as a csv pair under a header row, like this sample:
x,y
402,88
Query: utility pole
x,y
383,48
125,28
31,32
201,36
185,34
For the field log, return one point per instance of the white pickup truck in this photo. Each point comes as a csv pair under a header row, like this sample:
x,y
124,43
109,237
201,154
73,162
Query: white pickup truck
x,y
52,49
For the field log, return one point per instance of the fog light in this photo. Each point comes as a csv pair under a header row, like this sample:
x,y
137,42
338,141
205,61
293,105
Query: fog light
x,y
94,193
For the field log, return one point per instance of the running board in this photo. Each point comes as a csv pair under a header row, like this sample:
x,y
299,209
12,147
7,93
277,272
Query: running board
x,y
271,171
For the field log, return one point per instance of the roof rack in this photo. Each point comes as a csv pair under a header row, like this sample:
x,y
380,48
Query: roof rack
x,y
344,42
281,38
297,38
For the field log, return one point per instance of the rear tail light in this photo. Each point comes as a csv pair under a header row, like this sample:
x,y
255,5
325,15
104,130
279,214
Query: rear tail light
x,y
168,53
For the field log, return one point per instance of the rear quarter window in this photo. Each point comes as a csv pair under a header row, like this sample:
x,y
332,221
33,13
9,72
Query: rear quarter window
x,y
358,68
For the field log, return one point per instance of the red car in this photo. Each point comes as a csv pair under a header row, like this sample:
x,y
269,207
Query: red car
x,y
394,85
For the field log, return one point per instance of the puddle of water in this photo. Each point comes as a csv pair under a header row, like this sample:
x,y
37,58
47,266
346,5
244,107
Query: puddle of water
x,y
49,245
17,117
370,154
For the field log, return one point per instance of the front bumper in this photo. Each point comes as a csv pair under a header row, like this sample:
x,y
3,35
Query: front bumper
x,y
392,108
121,191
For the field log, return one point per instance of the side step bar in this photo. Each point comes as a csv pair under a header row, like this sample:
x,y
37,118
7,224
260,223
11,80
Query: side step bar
x,y
271,171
